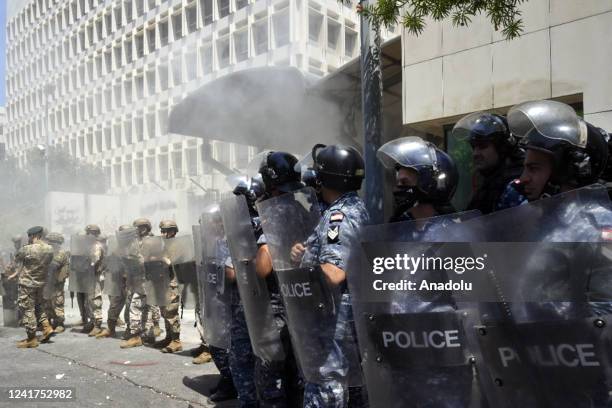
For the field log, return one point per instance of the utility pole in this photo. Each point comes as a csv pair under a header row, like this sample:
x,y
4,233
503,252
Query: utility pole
x,y
371,106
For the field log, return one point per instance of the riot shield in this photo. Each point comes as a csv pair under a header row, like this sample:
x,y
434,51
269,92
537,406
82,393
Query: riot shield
x,y
10,314
263,331
215,302
131,258
157,271
413,341
52,272
114,271
82,274
546,340
313,307
180,251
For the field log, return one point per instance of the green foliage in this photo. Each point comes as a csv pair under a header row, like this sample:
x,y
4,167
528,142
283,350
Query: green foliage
x,y
503,14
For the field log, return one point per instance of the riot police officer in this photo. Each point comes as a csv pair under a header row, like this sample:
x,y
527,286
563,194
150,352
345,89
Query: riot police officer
x,y
276,381
496,156
426,180
340,171
563,151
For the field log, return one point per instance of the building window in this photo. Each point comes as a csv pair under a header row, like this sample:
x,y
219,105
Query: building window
x,y
333,35
281,28
241,4
163,166
191,16
177,26
177,69
163,32
223,52
260,36
191,65
241,45
315,24
224,8
206,9
206,59
151,39
139,41
177,164
127,169
192,161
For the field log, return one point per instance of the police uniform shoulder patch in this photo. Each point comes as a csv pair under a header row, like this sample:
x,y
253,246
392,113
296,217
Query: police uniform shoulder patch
x,y
336,216
606,234
333,233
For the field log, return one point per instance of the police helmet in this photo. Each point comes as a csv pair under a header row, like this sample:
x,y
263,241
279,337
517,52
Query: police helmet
x,y
436,170
486,127
578,149
277,172
338,167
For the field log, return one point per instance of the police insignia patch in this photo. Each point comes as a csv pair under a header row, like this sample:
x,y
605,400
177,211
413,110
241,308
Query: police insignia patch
x,y
336,217
333,233
606,234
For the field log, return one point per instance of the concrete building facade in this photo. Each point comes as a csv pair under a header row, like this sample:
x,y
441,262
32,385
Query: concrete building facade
x,y
98,77
565,53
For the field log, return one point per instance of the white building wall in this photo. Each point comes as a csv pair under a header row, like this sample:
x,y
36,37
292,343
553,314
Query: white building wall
x,y
100,76
565,50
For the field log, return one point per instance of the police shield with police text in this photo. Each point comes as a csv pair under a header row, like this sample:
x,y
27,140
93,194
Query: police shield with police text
x,y
82,271
412,340
215,301
265,336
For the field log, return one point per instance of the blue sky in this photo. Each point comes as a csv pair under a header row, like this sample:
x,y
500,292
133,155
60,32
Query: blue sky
x,y
2,51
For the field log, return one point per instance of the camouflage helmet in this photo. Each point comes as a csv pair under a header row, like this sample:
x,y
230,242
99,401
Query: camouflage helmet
x,y
37,230
168,224
55,238
142,222
124,227
93,229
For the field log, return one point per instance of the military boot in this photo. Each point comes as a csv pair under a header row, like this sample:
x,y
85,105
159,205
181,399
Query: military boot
x,y
108,332
59,326
95,331
162,343
175,345
30,342
225,391
134,341
156,329
87,327
203,358
198,350
47,332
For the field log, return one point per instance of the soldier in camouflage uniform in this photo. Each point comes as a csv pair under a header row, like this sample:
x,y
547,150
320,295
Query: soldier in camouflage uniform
x,y
95,302
55,305
34,260
340,171
116,304
138,308
170,313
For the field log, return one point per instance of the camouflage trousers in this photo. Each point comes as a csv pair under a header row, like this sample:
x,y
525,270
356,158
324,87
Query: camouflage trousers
x,y
170,313
242,359
55,305
95,302
116,303
30,301
142,316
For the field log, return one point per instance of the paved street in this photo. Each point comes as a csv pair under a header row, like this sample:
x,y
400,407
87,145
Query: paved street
x,y
103,375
